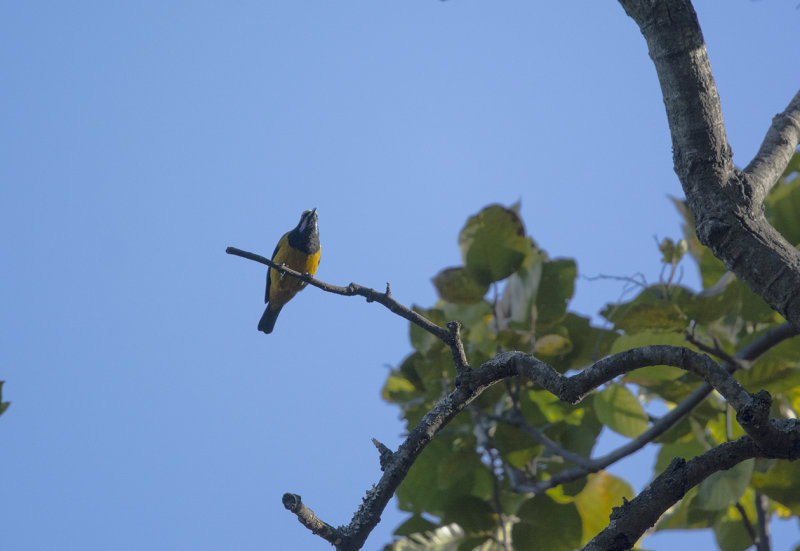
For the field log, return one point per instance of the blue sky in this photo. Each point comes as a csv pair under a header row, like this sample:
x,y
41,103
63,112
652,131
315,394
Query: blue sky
x,y
140,139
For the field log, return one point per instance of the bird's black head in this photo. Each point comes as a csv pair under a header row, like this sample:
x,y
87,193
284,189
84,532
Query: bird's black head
x,y
305,236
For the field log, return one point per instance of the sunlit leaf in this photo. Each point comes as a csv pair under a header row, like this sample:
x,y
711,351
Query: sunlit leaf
x,y
493,243
552,345
618,408
595,502
398,389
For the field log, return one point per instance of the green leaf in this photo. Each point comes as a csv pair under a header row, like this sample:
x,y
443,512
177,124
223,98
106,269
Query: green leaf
x,y
595,502
618,408
493,243
470,315
656,316
647,338
576,438
773,377
780,483
413,525
588,343
686,515
546,525
723,488
781,208
687,449
731,534
754,309
457,475
459,286
516,447
421,339
713,303
474,515
419,492
398,389
672,252
552,345
442,472
556,288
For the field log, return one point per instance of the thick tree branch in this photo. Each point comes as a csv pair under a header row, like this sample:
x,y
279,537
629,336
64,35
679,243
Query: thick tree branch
x,y
726,203
630,521
584,466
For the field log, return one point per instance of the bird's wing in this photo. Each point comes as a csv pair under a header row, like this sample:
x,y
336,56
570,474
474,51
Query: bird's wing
x,y
269,279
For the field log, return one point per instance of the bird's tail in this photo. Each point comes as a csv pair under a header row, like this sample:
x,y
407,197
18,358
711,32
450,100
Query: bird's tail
x,y
267,321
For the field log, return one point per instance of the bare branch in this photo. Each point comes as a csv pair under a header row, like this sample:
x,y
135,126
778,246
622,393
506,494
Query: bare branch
x,y
307,518
778,147
630,521
457,347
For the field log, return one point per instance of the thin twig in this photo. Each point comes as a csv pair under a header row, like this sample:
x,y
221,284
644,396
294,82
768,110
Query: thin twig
x,y
354,289
539,436
748,526
762,539
487,443
717,351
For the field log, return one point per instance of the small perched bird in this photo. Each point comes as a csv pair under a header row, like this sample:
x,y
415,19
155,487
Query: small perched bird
x,y
298,250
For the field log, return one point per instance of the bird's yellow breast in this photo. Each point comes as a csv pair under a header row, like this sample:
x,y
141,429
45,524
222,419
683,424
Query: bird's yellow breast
x,y
283,287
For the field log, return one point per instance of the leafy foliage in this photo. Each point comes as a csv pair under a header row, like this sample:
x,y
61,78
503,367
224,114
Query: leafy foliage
x,y
472,480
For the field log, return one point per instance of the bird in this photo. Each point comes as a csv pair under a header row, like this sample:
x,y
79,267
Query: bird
x,y
299,250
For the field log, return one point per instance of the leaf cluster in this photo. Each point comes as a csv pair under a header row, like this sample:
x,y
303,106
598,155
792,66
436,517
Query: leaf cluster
x,y
475,476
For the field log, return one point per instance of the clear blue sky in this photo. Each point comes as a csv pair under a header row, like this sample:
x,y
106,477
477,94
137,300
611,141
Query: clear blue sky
x,y
140,139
